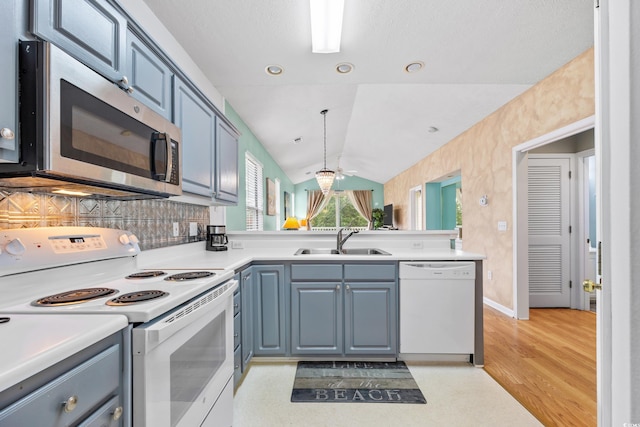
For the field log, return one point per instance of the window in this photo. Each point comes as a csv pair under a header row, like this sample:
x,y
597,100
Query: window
x,y
339,212
255,194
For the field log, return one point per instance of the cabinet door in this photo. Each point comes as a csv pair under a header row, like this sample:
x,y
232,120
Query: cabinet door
x,y
149,76
198,124
226,182
370,318
93,31
270,338
246,286
9,31
316,318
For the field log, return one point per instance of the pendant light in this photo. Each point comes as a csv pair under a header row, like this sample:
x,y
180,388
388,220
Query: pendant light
x,y
325,176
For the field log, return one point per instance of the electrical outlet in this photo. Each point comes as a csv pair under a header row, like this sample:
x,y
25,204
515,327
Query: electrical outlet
x,y
502,225
176,229
490,275
236,244
193,229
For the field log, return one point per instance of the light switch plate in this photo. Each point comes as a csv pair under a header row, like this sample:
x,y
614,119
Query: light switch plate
x,y
193,229
502,225
176,229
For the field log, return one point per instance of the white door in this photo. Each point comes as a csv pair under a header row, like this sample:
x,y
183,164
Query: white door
x,y
549,232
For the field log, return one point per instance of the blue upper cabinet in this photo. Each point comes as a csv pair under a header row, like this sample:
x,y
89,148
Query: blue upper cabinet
x,y
209,147
149,77
93,31
226,181
198,124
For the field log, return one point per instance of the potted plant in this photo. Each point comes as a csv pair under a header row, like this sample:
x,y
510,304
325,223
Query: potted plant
x,y
378,217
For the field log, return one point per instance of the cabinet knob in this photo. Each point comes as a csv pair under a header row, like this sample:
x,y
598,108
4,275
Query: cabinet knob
x,y
70,404
124,83
337,287
348,288
117,413
7,133
236,335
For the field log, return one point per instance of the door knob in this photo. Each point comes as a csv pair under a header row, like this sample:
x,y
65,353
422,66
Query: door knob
x,y
590,286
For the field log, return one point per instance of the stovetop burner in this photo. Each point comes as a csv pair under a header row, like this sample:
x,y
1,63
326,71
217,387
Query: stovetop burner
x,y
136,297
190,275
146,274
75,296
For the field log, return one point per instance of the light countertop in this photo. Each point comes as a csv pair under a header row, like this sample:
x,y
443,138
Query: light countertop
x,y
35,342
195,256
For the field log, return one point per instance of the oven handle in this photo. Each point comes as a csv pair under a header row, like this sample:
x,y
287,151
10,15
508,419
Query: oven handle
x,y
165,327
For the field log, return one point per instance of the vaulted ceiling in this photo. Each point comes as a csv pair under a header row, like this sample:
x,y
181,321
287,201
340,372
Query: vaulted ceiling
x,y
477,56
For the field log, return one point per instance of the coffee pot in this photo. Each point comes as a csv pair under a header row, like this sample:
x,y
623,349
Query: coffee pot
x,y
217,238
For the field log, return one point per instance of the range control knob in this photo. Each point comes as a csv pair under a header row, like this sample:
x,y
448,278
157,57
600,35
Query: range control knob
x,y
134,239
15,247
124,239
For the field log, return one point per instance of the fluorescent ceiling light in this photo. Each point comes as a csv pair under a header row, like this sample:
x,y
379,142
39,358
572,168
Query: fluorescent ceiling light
x,y
326,25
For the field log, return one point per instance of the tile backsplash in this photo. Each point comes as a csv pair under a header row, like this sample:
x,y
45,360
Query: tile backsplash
x,y
150,220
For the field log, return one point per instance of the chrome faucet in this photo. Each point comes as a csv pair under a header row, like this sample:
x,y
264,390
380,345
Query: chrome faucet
x,y
341,241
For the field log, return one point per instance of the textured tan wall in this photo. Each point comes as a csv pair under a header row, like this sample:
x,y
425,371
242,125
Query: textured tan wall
x,y
483,155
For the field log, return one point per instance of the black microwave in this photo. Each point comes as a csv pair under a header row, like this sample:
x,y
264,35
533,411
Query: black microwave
x,y
81,134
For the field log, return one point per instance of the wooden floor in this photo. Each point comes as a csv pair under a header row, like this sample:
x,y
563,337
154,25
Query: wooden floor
x,y
548,363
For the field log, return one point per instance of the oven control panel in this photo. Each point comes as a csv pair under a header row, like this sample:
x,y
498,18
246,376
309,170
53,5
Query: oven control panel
x,y
29,249
77,243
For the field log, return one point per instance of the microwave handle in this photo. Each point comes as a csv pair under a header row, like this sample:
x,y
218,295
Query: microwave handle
x,y
155,139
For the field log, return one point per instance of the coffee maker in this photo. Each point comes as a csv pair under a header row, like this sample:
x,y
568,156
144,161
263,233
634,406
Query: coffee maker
x,y
217,238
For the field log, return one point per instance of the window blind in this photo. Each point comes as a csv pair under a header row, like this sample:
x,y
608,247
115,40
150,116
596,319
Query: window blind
x,y
255,194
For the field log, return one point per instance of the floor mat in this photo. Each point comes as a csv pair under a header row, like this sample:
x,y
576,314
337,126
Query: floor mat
x,y
351,382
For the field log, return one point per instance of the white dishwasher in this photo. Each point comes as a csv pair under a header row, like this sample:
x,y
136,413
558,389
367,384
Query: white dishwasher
x,y
437,301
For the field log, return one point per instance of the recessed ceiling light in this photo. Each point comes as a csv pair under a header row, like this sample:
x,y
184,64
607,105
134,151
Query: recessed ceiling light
x,y
274,70
344,68
414,67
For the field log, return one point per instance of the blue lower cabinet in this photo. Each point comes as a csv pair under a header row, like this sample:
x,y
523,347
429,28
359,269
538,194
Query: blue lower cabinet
x,y
269,311
316,318
344,310
370,318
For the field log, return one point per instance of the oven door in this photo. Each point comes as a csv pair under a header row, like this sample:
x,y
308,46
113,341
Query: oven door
x,y
183,360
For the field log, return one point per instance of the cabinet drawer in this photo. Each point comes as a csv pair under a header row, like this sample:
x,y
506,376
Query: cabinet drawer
x,y
237,303
237,325
370,272
104,417
316,272
91,383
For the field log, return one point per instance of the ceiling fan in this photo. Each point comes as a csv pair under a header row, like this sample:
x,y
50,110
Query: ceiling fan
x,y
341,173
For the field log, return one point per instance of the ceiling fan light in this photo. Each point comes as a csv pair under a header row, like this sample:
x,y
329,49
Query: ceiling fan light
x,y
325,180
326,25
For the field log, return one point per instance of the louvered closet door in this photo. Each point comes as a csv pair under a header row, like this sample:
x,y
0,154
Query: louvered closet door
x,y
549,237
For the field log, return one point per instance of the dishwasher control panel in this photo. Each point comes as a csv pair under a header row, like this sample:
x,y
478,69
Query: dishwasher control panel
x,y
446,270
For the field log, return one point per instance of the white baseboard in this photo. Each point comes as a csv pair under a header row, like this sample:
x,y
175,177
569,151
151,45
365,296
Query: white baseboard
x,y
501,308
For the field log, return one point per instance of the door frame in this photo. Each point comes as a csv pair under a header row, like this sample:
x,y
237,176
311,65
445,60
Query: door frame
x,y
584,252
520,157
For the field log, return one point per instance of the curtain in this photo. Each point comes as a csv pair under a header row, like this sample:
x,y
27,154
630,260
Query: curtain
x,y
362,200
316,201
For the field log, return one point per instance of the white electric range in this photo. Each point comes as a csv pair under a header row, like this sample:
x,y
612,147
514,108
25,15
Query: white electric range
x,y
178,316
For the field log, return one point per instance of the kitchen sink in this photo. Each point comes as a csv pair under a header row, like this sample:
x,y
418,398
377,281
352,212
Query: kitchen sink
x,y
353,251
364,251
